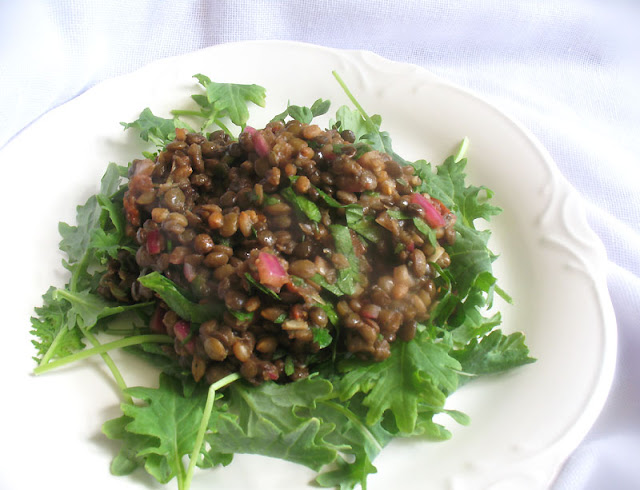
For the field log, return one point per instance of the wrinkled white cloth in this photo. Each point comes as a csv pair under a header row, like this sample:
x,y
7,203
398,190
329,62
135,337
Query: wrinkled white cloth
x,y
567,69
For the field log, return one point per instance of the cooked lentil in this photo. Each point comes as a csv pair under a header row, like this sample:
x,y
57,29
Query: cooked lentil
x,y
206,211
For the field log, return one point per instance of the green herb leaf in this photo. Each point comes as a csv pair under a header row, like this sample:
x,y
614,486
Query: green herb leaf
x,y
231,99
289,368
332,288
395,214
321,336
304,114
365,226
178,301
302,204
320,107
243,316
426,230
349,277
154,129
268,200
328,199
351,119
332,315
261,287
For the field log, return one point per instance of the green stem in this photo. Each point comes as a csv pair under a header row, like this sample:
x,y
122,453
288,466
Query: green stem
x,y
52,348
221,125
180,473
80,268
372,127
117,375
73,285
204,423
353,100
179,112
503,294
462,150
102,348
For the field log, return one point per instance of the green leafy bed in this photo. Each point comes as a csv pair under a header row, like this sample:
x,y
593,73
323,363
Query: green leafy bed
x,y
337,420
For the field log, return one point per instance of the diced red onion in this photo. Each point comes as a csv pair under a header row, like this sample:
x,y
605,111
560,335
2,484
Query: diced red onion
x,y
431,215
370,311
270,372
182,330
260,144
270,271
250,130
155,324
330,155
189,271
153,242
448,216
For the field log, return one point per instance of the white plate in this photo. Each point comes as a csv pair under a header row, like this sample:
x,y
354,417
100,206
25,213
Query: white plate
x,y
524,423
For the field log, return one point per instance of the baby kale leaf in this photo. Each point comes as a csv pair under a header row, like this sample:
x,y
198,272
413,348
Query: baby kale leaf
x,y
449,186
229,99
50,326
354,438
493,353
420,371
127,459
158,433
270,420
86,308
54,328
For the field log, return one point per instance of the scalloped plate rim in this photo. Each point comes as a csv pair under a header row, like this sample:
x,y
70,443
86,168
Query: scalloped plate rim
x,y
596,250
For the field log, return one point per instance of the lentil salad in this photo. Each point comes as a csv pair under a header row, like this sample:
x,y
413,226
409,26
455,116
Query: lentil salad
x,y
290,254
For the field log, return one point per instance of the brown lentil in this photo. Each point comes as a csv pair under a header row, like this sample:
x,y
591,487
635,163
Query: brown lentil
x,y
206,209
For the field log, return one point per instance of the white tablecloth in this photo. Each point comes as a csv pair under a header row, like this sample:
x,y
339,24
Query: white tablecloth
x,y
569,70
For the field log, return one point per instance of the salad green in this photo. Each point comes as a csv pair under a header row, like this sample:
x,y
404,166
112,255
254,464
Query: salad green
x,y
338,419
